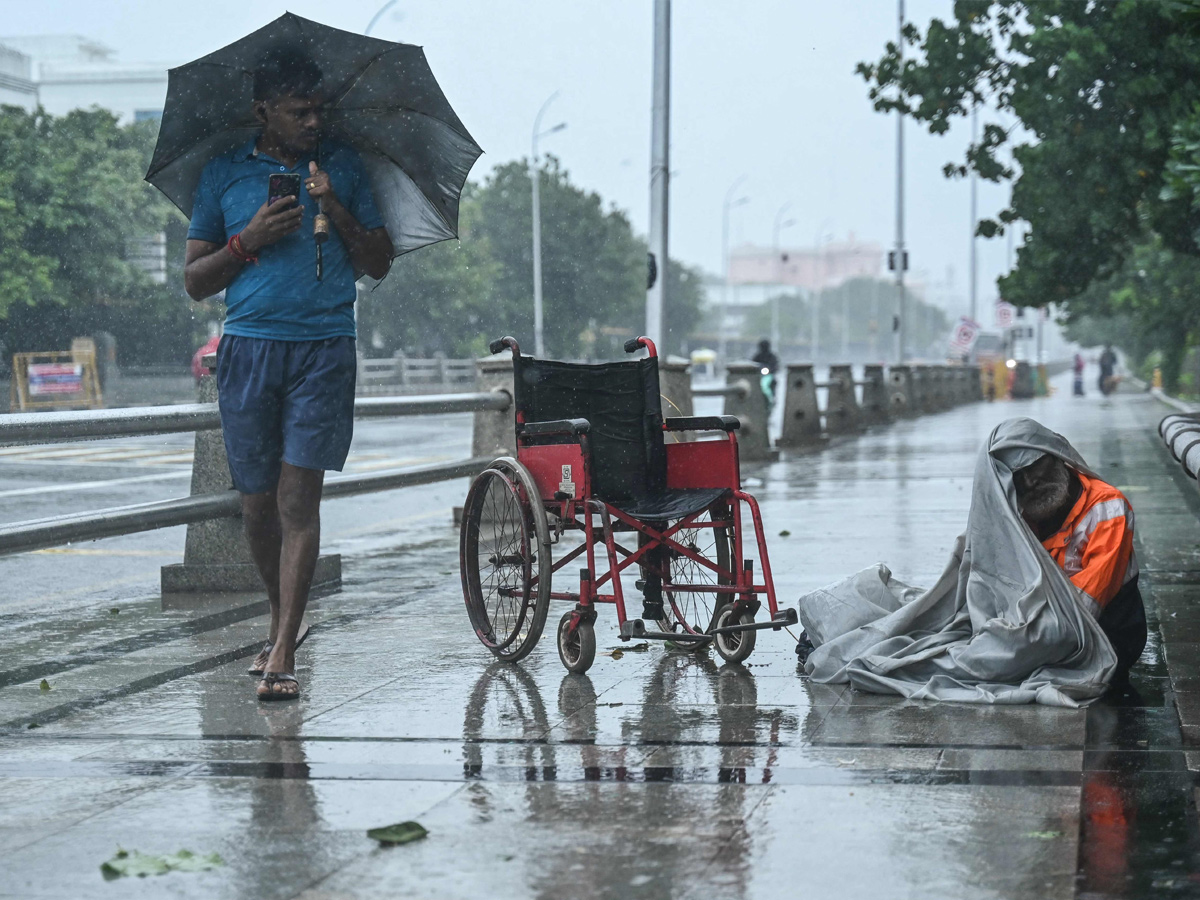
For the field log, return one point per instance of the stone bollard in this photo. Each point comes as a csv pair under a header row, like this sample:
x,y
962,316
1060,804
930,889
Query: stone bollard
x,y
900,391
801,414
841,406
495,431
216,557
675,386
943,397
922,391
875,407
975,384
750,406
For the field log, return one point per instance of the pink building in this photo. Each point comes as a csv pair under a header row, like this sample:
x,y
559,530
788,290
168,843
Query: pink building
x,y
809,268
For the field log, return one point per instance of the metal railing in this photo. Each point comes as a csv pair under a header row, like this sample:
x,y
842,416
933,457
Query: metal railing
x,y
82,425
404,373
52,427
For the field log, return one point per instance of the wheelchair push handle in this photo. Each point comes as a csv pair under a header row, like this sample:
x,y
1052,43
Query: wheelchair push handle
x,y
632,345
506,341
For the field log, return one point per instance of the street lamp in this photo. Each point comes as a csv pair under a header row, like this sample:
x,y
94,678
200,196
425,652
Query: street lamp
x,y
535,178
375,18
780,224
819,289
729,204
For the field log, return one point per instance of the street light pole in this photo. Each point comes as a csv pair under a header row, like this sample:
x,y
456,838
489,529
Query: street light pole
x,y
974,221
535,179
818,290
725,208
660,168
779,226
901,325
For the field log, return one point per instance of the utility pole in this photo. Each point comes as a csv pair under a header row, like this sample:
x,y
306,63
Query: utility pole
x,y
660,168
780,224
535,177
974,221
901,257
729,203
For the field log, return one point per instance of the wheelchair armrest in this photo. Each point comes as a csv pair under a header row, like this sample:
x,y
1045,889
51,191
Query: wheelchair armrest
x,y
702,423
557,426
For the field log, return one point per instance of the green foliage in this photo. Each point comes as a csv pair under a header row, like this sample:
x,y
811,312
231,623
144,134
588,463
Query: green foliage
x,y
1107,93
71,199
456,297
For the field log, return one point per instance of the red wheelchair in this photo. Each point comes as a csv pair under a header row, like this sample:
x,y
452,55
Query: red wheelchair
x,y
594,470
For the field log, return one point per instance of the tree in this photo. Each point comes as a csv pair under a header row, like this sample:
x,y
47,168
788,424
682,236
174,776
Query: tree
x,y
72,200
1107,96
455,297
72,205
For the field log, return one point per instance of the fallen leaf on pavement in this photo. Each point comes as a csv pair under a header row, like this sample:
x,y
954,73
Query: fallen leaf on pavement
x,y
400,833
130,863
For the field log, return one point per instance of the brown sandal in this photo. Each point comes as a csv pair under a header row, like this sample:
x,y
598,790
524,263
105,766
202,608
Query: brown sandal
x,y
270,679
268,647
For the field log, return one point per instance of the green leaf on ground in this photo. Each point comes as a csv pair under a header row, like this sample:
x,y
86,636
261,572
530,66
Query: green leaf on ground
x,y
45,685
617,654
785,533
1044,835
643,647
114,611
131,863
33,725
400,833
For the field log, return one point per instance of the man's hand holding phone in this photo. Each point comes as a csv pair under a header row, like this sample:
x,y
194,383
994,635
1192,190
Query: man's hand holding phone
x,y
274,221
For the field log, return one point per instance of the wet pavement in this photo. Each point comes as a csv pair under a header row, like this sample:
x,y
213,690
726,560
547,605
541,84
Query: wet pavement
x,y
658,774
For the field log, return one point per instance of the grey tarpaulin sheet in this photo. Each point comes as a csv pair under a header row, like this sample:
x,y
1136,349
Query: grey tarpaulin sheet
x,y
1001,625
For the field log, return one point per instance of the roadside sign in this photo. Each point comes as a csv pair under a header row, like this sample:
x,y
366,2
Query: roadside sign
x,y
964,336
60,379
1005,313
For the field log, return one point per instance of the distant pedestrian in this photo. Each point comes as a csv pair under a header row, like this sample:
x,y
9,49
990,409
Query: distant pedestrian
x,y
286,364
766,358
1079,364
1108,365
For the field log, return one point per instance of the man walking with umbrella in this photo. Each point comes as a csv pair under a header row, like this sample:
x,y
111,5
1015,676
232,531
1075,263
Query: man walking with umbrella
x,y
286,365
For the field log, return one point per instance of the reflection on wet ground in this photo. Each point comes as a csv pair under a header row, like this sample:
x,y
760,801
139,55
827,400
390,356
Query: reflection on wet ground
x,y
659,774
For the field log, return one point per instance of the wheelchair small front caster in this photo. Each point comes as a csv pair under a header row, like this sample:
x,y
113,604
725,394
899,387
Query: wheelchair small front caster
x,y
734,646
576,650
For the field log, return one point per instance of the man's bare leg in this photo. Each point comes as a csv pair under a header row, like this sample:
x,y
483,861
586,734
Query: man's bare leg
x,y
260,518
298,499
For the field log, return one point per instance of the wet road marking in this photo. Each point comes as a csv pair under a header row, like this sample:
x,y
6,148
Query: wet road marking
x,y
77,551
93,485
746,776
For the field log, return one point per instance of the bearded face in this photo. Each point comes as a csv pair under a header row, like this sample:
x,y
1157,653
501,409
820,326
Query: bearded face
x,y
1043,488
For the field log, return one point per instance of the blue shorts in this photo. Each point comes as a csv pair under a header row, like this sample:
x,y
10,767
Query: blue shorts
x,y
284,401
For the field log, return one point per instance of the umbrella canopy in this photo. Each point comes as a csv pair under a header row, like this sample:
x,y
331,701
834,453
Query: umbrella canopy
x,y
382,100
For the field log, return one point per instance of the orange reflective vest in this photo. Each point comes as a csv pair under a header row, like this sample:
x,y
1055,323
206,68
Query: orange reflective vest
x,y
1094,546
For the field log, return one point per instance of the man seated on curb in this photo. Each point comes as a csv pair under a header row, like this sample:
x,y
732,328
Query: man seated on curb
x,y
1087,526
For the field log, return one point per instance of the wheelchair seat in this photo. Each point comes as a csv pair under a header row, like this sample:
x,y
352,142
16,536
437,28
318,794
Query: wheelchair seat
x,y
673,503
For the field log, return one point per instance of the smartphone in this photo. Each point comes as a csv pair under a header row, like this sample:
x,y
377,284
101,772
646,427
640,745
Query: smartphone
x,y
286,184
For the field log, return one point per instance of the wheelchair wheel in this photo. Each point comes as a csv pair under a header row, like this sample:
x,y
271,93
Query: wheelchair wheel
x,y
578,650
690,612
504,548
738,645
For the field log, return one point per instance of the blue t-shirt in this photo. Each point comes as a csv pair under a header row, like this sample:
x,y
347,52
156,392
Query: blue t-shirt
x,y
280,297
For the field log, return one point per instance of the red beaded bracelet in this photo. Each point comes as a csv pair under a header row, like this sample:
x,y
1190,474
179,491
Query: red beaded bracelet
x,y
240,252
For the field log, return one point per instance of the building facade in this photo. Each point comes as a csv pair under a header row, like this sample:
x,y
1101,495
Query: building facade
x,y
65,72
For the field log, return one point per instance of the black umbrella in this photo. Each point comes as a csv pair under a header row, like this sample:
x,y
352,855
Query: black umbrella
x,y
383,101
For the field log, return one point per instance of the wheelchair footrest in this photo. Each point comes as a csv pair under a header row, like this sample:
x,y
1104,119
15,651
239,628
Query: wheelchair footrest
x,y
636,628
782,618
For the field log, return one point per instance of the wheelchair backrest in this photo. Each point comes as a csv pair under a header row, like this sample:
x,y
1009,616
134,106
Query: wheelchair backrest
x,y
620,400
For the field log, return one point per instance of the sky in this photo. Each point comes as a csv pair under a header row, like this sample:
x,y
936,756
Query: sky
x,y
764,89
